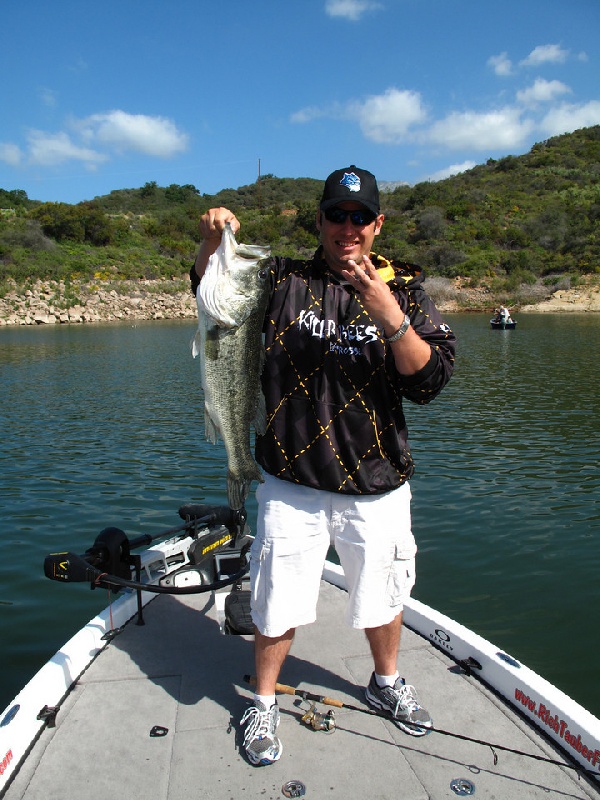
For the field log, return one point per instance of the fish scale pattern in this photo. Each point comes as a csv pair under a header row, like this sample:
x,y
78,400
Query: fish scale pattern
x,y
327,369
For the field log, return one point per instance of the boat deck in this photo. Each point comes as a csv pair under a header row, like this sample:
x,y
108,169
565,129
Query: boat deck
x,y
180,672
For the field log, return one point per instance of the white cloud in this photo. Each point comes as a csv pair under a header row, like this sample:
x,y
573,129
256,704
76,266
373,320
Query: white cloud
x,y
50,149
401,116
95,139
352,10
396,116
569,117
545,54
11,154
501,64
542,91
78,66
453,169
154,136
307,114
488,130
387,118
48,97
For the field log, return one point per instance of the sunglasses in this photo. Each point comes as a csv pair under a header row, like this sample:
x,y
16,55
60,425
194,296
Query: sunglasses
x,y
358,217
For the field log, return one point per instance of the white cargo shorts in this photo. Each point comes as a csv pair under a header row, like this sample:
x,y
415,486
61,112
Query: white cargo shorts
x,y
296,525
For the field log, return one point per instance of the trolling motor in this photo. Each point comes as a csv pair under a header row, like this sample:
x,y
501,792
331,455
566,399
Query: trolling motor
x,y
108,563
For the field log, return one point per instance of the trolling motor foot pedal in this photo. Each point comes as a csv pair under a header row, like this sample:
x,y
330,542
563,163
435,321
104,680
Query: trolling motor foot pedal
x,y
238,620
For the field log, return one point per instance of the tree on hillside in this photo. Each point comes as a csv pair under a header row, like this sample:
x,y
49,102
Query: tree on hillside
x,y
63,222
181,194
148,189
14,198
514,218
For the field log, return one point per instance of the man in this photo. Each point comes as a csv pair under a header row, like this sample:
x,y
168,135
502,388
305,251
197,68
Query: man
x,y
348,335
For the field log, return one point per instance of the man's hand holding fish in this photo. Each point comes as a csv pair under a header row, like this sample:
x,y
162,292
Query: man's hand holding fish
x,y
211,228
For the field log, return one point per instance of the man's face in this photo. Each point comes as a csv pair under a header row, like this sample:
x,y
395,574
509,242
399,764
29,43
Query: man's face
x,y
346,241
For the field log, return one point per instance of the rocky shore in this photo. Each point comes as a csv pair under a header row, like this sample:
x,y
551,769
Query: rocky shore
x,y
57,302
577,300
73,302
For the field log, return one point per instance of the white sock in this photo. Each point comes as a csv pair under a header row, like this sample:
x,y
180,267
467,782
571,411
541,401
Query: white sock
x,y
386,680
266,699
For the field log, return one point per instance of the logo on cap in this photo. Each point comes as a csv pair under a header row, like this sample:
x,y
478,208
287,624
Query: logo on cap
x,y
351,181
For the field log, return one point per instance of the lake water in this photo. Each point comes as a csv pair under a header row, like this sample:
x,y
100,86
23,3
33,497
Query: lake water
x,y
102,425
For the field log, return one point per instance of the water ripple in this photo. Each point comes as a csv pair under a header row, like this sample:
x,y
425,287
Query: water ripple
x,y
102,425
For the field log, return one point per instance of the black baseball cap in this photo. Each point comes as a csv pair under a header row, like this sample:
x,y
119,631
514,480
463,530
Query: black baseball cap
x,y
351,183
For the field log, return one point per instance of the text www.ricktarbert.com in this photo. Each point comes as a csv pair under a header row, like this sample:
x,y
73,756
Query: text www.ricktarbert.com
x,y
559,726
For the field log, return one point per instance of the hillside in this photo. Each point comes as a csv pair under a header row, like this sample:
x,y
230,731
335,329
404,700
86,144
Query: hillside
x,y
515,226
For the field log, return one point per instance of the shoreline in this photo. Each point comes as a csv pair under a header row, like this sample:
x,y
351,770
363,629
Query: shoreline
x,y
78,302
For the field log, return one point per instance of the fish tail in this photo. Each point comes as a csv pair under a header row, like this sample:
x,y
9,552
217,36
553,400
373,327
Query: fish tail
x,y
238,487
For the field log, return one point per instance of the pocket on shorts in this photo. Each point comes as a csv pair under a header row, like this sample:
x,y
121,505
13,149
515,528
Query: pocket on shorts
x,y
258,553
400,580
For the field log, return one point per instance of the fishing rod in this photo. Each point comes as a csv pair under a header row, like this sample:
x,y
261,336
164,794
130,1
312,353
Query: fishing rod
x,y
282,688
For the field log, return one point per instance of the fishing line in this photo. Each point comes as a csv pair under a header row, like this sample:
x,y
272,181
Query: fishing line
x,y
331,701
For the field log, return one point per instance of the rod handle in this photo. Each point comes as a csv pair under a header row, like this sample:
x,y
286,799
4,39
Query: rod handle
x,y
283,688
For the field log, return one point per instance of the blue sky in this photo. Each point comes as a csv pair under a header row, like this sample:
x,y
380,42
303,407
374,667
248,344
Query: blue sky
x,y
110,95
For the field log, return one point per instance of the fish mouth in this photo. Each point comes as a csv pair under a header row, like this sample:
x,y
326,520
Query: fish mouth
x,y
252,252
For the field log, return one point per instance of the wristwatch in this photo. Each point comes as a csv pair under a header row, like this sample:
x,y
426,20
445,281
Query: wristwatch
x,y
401,330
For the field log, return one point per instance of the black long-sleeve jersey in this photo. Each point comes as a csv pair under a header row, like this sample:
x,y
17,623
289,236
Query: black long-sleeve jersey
x,y
333,393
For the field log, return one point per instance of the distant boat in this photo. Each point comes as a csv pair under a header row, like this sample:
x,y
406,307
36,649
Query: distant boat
x,y
503,324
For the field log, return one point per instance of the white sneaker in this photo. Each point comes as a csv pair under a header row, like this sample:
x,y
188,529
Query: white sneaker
x,y
400,701
260,744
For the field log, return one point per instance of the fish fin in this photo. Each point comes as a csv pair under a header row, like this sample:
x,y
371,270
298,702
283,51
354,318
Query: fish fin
x,y
196,344
260,416
211,431
260,420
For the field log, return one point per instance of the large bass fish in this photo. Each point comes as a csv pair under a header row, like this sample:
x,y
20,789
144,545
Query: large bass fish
x,y
232,299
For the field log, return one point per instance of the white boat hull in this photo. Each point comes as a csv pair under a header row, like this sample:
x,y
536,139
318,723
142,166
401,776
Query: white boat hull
x,y
556,715
569,724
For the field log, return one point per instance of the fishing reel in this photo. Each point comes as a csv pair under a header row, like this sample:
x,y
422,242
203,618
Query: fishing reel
x,y
316,720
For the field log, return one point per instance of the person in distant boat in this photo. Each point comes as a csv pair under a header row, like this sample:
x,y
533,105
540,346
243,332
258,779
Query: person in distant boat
x,y
502,314
349,335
